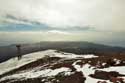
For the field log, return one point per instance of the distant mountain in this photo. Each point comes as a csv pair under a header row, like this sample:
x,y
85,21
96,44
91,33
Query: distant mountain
x,y
7,52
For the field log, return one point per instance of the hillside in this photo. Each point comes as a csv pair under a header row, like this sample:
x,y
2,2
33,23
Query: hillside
x,y
7,52
53,66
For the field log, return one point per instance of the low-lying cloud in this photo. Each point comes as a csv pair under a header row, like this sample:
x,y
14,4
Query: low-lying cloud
x,y
7,38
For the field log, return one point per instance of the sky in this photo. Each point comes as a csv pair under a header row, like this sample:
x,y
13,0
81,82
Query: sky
x,y
29,21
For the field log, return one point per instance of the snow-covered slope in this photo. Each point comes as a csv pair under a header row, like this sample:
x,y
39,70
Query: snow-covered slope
x,y
61,67
15,63
28,58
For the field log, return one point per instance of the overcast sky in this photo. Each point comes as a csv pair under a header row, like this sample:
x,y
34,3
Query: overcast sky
x,y
26,21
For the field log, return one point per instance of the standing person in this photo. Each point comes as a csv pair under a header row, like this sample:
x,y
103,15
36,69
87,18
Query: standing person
x,y
19,51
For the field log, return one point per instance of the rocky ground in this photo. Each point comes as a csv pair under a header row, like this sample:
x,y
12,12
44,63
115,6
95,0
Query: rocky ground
x,y
52,66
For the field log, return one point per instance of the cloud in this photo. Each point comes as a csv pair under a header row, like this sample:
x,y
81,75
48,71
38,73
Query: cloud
x,y
7,38
56,32
105,15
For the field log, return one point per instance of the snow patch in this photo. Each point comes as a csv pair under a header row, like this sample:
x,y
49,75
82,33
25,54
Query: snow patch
x,y
38,73
86,70
120,69
71,55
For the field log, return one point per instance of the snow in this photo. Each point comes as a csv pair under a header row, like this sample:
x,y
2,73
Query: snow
x,y
56,71
38,73
120,69
117,61
28,58
103,64
66,55
86,70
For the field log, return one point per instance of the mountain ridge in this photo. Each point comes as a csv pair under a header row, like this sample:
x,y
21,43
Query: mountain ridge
x,y
7,52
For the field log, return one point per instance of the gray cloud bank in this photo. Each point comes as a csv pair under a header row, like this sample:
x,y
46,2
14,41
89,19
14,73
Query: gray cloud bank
x,y
108,38
106,15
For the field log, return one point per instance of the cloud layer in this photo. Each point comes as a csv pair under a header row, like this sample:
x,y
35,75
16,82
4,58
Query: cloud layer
x,y
107,15
7,38
101,21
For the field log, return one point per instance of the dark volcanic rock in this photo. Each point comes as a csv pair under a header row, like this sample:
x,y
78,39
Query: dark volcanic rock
x,y
105,75
75,78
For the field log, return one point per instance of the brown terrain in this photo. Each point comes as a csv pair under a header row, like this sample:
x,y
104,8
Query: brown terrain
x,y
109,60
